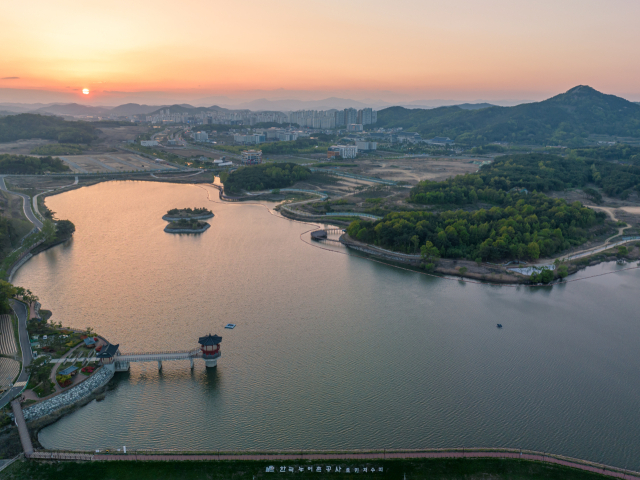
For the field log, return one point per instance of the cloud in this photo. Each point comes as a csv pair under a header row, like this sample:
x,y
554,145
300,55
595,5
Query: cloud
x,y
10,78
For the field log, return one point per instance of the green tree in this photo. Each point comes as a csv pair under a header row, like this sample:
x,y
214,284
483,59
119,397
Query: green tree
x,y
533,250
563,271
49,231
416,241
7,291
429,252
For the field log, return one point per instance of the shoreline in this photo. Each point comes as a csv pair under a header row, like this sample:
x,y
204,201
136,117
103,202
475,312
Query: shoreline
x,y
493,274
187,230
169,218
63,411
328,457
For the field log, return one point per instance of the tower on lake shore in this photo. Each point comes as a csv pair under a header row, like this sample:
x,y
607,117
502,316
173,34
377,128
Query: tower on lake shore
x,y
210,347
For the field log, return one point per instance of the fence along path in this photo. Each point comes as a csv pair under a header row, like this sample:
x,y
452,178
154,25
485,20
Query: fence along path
x,y
327,457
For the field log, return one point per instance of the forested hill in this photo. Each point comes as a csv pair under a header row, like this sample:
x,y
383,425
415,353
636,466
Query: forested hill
x,y
566,119
28,125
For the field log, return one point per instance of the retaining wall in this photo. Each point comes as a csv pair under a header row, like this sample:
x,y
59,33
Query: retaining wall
x,y
71,396
381,253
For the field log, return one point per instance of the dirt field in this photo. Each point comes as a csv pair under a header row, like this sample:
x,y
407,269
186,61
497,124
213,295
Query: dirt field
x,y
23,147
109,163
118,135
413,170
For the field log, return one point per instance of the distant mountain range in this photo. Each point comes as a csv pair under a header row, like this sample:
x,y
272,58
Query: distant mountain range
x,y
128,109
566,119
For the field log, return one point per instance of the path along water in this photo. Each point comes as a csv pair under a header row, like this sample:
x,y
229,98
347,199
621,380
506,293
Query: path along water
x,y
331,351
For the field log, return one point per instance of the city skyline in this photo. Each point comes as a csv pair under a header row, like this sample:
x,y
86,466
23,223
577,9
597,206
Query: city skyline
x,y
496,51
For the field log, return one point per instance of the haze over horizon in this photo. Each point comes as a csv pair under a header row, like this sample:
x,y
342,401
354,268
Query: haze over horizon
x,y
498,51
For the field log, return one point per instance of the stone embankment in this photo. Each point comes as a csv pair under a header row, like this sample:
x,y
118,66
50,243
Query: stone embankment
x,y
186,230
204,216
483,272
379,252
71,396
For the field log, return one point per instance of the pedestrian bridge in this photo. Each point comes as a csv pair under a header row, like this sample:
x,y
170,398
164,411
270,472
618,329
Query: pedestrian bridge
x,y
209,351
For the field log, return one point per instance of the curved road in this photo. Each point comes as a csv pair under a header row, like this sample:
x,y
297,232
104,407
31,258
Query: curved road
x,y
35,197
20,310
26,204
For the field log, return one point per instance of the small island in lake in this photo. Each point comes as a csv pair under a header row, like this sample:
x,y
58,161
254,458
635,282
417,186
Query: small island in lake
x,y
176,214
186,226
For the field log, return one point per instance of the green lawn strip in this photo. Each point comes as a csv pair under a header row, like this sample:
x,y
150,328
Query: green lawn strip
x,y
432,469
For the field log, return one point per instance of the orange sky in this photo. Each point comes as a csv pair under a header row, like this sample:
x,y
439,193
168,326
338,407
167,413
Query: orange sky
x,y
419,49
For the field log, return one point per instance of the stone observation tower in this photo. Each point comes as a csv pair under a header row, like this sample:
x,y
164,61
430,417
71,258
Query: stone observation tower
x,y
210,347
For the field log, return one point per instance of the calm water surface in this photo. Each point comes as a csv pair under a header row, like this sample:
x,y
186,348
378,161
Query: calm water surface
x,y
330,351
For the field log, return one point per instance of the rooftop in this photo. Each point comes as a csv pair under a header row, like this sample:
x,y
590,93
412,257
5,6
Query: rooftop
x,y
108,351
209,340
68,370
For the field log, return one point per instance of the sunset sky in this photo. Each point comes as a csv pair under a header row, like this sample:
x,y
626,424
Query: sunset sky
x,y
390,50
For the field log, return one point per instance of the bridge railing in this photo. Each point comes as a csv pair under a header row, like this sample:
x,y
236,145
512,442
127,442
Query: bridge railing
x,y
186,352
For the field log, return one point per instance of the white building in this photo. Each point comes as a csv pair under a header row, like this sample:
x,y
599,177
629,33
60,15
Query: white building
x,y
355,127
366,145
345,151
287,136
253,139
149,143
201,136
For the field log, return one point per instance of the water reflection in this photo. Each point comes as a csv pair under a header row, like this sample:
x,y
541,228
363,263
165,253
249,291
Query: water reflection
x,y
330,351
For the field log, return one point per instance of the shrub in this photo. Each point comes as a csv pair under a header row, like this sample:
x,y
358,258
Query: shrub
x,y
563,271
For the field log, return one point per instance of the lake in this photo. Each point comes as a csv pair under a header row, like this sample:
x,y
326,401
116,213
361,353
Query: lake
x,y
330,351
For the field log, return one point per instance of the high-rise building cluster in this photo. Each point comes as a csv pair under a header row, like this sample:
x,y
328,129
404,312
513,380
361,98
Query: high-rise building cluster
x,y
329,119
318,119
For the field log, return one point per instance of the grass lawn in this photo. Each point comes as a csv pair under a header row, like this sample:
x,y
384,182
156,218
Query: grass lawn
x,y
433,469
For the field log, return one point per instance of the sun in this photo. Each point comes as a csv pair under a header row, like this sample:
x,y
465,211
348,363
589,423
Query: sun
x,y
85,91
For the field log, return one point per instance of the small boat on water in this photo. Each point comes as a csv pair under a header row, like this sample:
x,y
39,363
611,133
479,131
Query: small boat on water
x,y
230,325
499,325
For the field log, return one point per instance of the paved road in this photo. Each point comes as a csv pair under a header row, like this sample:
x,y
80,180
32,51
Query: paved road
x,y
35,197
26,204
21,311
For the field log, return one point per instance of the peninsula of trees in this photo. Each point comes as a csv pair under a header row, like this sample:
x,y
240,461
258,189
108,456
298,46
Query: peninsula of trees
x,y
264,177
523,222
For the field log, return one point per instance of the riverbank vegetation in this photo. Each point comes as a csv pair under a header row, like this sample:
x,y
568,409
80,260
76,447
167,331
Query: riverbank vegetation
x,y
266,176
525,227
415,469
26,165
29,125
